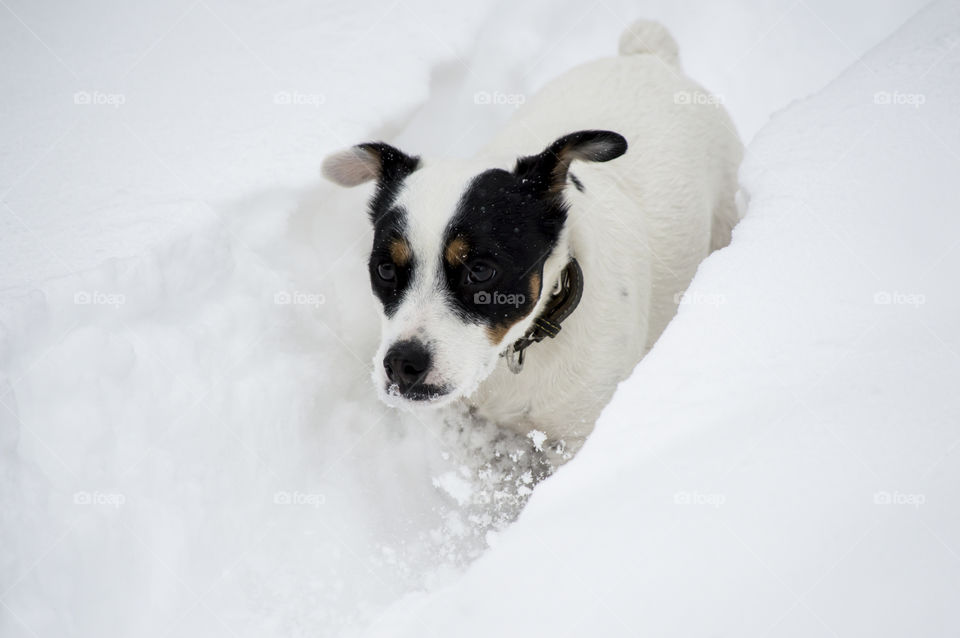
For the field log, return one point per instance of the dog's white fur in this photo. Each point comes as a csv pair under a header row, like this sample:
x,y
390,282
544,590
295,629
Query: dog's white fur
x,y
639,230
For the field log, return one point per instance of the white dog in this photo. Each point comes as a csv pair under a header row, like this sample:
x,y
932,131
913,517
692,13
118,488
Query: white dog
x,y
589,212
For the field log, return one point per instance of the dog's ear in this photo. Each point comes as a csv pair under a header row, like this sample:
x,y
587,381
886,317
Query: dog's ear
x,y
547,171
368,161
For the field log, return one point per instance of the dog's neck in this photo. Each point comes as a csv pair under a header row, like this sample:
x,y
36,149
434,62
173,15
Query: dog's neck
x,y
561,305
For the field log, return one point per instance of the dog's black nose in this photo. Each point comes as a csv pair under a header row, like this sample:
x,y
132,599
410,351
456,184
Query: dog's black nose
x,y
406,364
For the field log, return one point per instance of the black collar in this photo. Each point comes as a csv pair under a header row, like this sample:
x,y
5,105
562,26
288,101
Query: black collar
x,y
561,306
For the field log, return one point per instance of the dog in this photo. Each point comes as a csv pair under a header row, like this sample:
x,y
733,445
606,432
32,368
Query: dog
x,y
529,281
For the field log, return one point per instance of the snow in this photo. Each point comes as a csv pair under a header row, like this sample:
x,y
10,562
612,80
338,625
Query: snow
x,y
189,441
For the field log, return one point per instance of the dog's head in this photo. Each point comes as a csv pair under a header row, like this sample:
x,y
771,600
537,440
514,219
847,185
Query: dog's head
x,y
459,257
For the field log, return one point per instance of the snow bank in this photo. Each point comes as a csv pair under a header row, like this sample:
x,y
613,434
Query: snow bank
x,y
784,462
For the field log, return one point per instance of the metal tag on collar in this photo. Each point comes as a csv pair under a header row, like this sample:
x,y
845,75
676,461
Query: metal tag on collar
x,y
514,360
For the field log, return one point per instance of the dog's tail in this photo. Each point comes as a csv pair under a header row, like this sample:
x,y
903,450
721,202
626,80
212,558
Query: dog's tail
x,y
652,38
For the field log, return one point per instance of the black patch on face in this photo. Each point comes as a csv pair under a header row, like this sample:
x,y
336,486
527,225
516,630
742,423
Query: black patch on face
x,y
511,227
389,222
507,225
388,227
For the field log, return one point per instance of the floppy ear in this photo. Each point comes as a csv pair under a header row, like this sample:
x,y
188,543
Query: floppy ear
x,y
368,161
547,171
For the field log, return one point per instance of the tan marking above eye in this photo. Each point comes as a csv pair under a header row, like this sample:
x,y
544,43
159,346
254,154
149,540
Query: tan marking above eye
x,y
456,252
400,252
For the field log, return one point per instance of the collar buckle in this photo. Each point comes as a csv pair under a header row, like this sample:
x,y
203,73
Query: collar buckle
x,y
514,358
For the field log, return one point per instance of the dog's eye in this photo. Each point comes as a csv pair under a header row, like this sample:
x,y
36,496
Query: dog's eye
x,y
387,271
479,273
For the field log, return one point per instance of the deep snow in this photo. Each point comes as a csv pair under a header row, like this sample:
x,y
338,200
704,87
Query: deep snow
x,y
189,443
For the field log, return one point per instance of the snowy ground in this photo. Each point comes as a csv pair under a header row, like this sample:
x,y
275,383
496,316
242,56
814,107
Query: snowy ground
x,y
189,444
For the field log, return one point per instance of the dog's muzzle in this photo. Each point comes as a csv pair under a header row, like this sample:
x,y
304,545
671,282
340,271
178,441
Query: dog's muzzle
x,y
407,364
